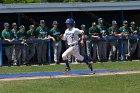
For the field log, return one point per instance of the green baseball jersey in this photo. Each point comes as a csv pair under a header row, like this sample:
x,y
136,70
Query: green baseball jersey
x,y
125,30
21,36
103,30
95,32
138,30
113,30
31,34
6,34
42,32
55,33
134,31
14,33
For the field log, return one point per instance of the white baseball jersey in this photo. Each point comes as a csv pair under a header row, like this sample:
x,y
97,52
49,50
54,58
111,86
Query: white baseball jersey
x,y
72,35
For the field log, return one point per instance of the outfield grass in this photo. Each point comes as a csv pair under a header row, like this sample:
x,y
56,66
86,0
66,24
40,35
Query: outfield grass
x,y
96,84
92,84
107,65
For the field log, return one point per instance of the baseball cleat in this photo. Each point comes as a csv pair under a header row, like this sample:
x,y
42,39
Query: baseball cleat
x,y
67,69
90,67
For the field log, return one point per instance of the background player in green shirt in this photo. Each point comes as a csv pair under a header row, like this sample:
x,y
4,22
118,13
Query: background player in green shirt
x,y
124,32
94,32
102,45
133,42
57,46
31,35
21,35
113,31
7,36
42,33
82,47
15,50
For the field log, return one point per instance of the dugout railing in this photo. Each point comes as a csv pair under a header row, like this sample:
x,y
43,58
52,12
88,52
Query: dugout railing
x,y
110,38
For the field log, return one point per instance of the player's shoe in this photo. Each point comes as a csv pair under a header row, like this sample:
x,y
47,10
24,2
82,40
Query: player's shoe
x,y
67,69
90,66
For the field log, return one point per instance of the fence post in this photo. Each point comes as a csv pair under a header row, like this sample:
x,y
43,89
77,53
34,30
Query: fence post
x,y
122,49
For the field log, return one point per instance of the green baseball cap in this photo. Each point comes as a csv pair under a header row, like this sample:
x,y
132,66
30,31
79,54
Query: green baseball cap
x,y
94,24
83,26
22,26
6,24
55,23
100,20
132,23
14,24
125,22
31,26
114,22
42,21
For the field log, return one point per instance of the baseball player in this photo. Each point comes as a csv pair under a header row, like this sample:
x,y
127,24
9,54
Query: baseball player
x,y
82,46
42,33
113,31
94,32
125,31
71,35
31,35
102,45
57,46
15,48
21,35
133,42
7,36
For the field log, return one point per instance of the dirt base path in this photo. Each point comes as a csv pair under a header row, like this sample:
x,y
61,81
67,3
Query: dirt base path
x,y
71,75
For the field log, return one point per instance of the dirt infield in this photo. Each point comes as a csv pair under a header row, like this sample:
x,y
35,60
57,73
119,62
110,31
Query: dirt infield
x,y
71,75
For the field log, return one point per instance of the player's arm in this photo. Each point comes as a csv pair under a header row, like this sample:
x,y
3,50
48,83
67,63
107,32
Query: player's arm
x,y
6,39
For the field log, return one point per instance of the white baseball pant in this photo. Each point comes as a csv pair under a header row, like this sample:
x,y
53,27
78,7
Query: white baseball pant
x,y
73,50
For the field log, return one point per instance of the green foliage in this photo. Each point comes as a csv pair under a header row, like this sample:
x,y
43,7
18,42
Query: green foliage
x,y
54,0
19,1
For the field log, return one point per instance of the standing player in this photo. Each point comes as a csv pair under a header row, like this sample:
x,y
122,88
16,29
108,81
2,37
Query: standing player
x,y
42,33
113,31
31,35
7,36
71,35
15,48
102,44
94,32
21,35
125,32
57,46
133,42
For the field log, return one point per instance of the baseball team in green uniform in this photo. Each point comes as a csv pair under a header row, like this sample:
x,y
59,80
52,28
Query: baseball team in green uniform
x,y
19,54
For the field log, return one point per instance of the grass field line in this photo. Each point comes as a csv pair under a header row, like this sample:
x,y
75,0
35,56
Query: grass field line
x,y
70,75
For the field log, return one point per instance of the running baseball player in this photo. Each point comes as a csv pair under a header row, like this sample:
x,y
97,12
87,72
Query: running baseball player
x,y
71,35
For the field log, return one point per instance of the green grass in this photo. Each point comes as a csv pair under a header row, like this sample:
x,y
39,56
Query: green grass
x,y
108,65
96,84
92,84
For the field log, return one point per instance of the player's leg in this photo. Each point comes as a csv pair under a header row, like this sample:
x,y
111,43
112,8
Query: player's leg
x,y
88,49
77,55
65,57
94,52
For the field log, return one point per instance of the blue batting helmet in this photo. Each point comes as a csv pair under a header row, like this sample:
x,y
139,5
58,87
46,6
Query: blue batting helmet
x,y
70,21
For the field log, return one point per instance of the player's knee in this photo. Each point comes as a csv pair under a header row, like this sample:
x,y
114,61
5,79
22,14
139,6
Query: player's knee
x,y
64,57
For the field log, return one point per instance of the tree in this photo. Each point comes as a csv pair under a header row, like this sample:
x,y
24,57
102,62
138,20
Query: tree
x,y
19,1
